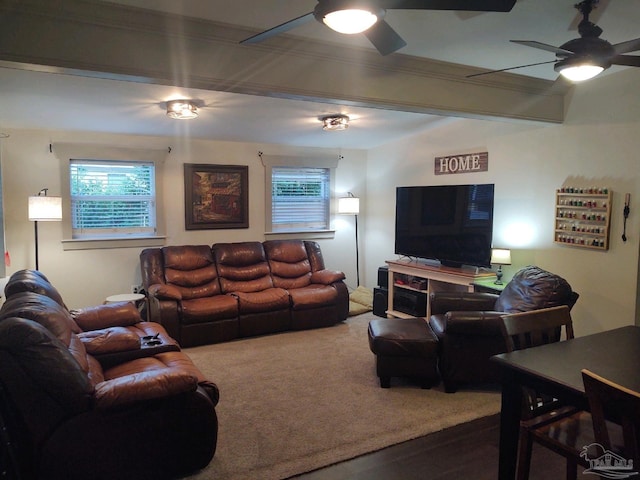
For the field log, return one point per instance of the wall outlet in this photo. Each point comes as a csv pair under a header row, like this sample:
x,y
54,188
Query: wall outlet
x,y
135,288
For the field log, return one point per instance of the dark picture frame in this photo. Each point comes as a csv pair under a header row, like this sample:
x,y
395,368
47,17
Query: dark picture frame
x,y
216,196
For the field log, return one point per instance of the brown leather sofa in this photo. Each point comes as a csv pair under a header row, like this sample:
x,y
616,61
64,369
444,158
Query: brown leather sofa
x,y
89,393
203,294
468,325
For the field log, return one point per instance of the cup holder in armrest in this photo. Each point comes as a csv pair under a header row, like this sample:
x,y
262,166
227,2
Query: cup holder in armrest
x,y
150,341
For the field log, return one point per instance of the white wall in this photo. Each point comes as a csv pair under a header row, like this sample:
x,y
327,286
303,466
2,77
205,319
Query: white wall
x,y
597,145
86,277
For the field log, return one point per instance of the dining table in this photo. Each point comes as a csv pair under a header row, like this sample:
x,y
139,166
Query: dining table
x,y
555,369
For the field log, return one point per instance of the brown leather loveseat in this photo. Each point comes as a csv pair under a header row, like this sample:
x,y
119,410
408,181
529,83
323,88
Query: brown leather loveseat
x,y
92,394
203,294
468,325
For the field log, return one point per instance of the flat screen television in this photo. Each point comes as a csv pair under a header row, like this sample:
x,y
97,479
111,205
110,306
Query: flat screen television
x,y
449,223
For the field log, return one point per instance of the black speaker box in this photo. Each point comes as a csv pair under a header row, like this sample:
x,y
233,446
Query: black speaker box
x,y
383,277
380,301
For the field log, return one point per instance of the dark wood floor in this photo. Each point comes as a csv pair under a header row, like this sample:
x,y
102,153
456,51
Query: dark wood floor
x,y
467,451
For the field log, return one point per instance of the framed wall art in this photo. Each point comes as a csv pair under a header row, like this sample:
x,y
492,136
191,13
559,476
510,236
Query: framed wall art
x,y
216,196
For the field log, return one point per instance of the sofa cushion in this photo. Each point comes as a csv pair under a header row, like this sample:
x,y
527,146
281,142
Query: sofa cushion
x,y
313,296
207,309
268,300
44,310
191,270
533,288
32,281
242,267
46,363
290,267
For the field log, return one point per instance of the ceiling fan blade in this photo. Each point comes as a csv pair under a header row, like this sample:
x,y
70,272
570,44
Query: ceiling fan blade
x,y
543,46
282,28
626,47
468,5
384,38
628,60
510,68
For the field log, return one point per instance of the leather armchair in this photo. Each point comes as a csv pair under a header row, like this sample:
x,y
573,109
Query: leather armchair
x,y
468,324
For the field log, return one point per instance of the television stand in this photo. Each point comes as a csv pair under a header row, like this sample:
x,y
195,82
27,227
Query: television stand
x,y
412,281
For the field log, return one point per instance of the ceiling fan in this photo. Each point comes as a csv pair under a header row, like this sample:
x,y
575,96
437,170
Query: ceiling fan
x,y
585,57
367,16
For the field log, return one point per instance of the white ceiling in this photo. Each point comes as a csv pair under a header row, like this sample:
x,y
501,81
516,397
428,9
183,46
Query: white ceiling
x,y
45,100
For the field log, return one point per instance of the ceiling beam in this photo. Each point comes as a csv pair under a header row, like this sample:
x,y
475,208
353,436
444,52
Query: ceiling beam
x,y
90,38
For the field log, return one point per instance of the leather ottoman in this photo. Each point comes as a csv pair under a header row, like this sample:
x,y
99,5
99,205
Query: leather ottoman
x,y
404,347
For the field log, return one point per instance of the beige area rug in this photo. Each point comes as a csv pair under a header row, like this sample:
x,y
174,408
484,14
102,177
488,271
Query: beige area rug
x,y
297,401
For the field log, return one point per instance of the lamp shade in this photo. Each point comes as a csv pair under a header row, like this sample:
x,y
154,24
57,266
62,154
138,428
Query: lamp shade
x,y
349,206
500,256
45,209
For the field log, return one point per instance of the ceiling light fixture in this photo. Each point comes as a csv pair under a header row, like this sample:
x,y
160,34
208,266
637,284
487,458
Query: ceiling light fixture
x,y
348,16
335,122
181,109
578,69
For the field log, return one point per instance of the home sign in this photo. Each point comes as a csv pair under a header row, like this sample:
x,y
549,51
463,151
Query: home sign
x,y
463,163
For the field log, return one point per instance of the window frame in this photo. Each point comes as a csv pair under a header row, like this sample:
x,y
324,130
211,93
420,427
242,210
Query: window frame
x,y
271,162
67,152
114,232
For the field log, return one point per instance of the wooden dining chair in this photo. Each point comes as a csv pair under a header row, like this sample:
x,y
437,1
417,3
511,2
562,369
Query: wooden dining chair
x,y
562,429
610,401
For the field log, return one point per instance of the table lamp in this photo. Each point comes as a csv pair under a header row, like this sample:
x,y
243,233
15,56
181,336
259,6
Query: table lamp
x,y
500,256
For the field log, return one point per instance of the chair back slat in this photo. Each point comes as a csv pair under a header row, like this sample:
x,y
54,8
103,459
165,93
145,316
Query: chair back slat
x,y
537,327
610,401
531,329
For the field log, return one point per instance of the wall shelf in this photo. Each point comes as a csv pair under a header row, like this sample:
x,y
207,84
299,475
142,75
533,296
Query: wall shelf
x,y
582,217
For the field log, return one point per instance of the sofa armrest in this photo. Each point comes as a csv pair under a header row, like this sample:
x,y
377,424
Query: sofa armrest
x,y
165,292
443,302
119,314
327,277
109,340
141,386
481,324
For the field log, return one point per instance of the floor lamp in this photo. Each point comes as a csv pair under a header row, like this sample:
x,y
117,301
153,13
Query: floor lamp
x,y
44,209
350,205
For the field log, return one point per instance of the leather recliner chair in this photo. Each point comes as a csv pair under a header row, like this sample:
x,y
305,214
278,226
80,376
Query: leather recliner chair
x,y
468,324
65,413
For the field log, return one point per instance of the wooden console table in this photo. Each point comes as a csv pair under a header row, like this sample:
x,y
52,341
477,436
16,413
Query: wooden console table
x,y
422,278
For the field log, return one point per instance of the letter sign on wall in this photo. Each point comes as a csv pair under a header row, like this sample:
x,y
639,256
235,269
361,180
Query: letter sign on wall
x,y
465,163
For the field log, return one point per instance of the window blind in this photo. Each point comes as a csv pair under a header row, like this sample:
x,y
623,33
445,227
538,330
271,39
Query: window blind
x,y
300,198
112,198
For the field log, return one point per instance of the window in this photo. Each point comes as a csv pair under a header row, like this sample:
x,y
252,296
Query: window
x,y
300,199
298,194
112,199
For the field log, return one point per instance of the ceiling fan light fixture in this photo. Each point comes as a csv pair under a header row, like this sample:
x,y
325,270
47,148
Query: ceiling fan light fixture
x,y
182,109
579,70
335,122
350,21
